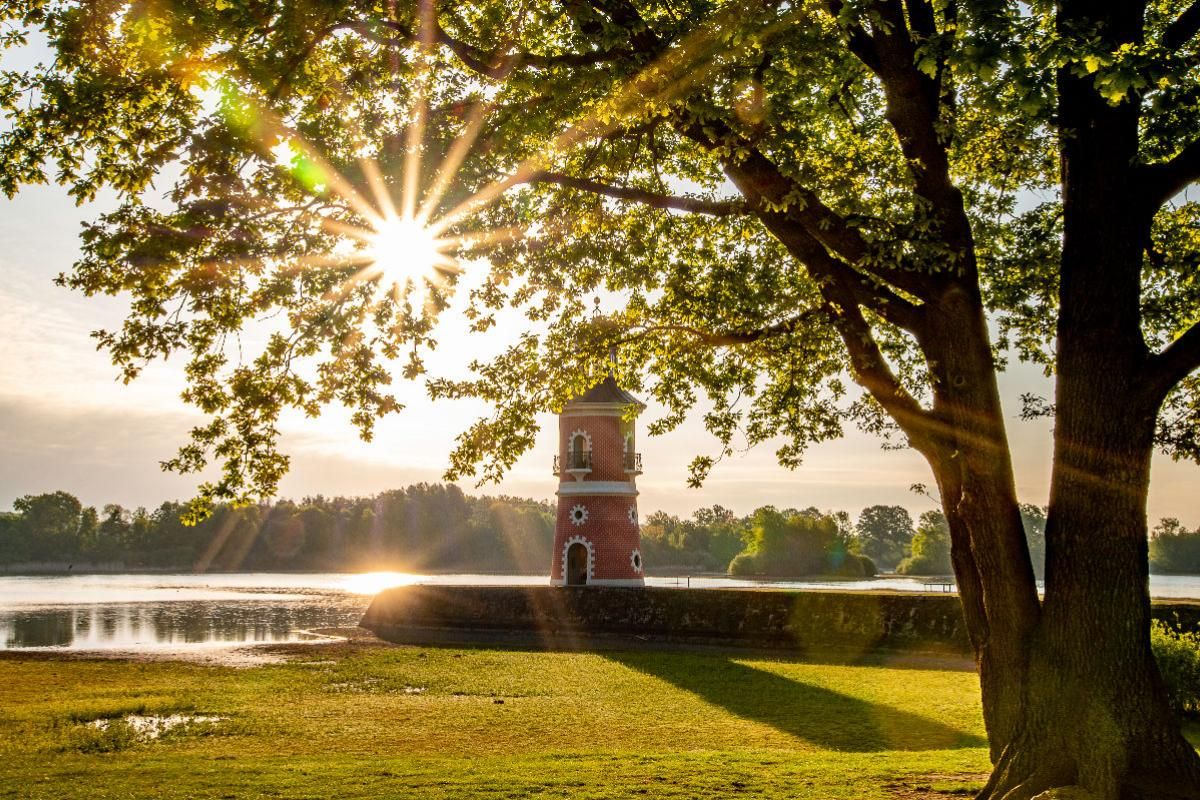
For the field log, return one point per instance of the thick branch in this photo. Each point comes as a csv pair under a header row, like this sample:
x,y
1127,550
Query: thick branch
x,y
695,205
765,186
738,338
770,185
871,370
1185,26
298,60
496,65
625,15
852,286
920,17
857,37
913,108
1174,363
1164,181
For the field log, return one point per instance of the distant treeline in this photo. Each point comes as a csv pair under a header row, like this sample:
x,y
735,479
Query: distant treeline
x,y
438,528
1174,549
425,527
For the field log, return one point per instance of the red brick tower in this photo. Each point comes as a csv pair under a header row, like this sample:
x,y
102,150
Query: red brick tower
x,y
597,540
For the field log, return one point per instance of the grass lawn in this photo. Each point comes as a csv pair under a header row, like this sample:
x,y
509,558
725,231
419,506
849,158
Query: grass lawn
x,y
361,720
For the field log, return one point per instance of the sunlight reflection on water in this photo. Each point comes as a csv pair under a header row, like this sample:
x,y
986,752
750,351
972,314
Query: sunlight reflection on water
x,y
157,612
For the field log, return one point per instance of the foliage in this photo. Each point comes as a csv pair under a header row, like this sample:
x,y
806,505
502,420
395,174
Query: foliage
x,y
884,534
1174,549
706,542
423,527
790,544
930,548
1178,657
576,128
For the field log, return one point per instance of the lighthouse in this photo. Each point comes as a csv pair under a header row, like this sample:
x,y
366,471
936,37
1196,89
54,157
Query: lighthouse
x,y
597,541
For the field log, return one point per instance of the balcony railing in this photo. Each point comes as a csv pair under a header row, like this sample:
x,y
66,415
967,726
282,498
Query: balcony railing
x,y
578,463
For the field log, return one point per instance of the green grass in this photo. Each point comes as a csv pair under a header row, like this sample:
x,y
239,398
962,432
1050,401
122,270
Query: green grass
x,y
359,721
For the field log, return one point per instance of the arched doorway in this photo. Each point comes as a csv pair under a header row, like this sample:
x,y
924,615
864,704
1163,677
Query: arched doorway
x,y
577,564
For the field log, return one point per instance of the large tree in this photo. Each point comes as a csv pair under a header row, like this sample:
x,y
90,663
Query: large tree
x,y
773,195
884,533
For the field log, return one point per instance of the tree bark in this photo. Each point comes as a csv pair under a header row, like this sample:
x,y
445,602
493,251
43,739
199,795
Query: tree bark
x,y
975,478
1095,713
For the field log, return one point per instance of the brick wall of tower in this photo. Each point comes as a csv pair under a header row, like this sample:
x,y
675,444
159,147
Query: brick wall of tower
x,y
608,528
608,445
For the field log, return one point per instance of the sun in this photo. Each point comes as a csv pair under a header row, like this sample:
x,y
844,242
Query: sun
x,y
404,250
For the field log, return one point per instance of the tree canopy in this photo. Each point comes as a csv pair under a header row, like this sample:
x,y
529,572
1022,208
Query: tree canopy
x,y
804,215
930,547
649,151
884,533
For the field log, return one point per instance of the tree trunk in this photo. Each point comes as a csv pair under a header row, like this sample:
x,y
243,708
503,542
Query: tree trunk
x,y
1095,713
991,560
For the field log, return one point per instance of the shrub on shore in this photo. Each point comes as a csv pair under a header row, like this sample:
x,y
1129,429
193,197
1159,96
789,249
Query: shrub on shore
x,y
1178,657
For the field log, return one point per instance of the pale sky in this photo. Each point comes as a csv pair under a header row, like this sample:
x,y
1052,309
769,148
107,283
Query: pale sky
x,y
67,423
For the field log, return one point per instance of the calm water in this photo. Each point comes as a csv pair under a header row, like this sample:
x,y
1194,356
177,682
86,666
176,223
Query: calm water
x,y
171,612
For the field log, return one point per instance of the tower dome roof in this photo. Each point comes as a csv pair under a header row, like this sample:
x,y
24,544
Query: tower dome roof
x,y
607,391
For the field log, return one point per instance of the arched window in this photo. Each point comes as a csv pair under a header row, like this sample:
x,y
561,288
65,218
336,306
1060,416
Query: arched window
x,y
579,455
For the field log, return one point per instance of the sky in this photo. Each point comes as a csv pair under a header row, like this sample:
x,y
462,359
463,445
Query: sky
x,y
66,422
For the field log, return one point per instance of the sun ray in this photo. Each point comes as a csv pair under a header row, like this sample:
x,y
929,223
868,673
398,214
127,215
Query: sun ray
x,y
418,112
336,182
379,189
484,238
400,242
338,227
454,158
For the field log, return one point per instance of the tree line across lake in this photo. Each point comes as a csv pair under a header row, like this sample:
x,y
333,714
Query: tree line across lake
x,y
436,527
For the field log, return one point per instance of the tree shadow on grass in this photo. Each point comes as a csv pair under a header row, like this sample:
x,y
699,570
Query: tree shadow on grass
x,y
820,716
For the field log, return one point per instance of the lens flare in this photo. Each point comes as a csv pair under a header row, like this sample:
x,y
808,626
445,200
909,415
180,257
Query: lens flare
x,y
403,250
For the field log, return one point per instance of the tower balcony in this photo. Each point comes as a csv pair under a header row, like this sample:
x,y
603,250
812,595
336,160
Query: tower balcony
x,y
578,464
633,463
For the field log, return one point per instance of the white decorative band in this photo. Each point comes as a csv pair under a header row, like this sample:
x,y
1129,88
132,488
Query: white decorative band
x,y
597,488
595,410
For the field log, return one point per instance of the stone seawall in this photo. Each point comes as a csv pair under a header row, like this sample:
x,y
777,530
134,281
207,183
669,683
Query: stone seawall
x,y
797,620
556,616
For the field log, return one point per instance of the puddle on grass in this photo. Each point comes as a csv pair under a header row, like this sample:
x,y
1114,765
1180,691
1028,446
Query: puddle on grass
x,y
152,726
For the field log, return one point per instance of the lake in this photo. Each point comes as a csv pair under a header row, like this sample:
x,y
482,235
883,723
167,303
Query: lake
x,y
185,612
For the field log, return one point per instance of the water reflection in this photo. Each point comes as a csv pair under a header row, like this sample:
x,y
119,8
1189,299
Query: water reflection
x,y
138,612
139,626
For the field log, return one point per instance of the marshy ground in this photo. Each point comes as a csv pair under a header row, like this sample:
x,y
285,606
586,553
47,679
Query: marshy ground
x,y
360,718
